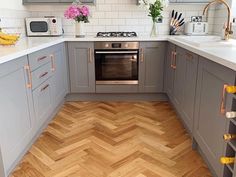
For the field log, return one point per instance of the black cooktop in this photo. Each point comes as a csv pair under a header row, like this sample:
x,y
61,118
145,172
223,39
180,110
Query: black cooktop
x,y
117,34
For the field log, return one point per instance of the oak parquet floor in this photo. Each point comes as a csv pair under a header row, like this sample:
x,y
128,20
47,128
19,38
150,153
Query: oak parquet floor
x,y
113,139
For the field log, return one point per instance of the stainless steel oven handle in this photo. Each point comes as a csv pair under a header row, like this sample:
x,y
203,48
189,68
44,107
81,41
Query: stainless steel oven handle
x,y
116,52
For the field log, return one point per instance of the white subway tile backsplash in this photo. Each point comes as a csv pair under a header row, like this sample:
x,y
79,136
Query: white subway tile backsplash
x,y
115,15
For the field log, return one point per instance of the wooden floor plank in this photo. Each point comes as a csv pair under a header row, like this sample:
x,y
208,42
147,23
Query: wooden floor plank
x,y
113,139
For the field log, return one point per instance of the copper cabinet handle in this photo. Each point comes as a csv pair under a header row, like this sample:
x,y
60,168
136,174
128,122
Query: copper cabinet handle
x,y
171,60
174,66
27,69
53,62
44,88
189,56
42,58
142,55
222,106
42,75
90,55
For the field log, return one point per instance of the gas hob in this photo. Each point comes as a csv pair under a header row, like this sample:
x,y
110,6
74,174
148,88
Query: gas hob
x,y
116,34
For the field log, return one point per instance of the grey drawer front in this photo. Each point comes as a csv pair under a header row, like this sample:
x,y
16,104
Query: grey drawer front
x,y
40,58
43,101
41,74
116,88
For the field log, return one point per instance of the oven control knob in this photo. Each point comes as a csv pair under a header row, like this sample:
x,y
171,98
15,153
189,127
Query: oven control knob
x,y
126,45
106,45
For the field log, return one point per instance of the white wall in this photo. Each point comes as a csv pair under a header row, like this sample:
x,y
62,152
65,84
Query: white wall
x,y
12,4
116,15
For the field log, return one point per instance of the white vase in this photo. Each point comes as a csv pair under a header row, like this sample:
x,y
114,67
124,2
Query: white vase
x,y
79,29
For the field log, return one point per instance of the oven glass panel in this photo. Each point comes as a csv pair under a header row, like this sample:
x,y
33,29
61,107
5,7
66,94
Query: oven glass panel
x,y
38,26
110,67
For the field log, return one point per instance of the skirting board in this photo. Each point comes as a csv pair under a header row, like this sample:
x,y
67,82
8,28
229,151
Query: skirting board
x,y
117,97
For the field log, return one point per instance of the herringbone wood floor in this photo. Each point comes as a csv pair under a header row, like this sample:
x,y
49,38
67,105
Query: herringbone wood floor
x,y
113,139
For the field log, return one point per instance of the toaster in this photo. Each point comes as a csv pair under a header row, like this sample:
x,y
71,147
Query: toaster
x,y
196,28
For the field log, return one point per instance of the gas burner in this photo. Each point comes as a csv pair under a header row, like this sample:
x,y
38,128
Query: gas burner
x,y
116,34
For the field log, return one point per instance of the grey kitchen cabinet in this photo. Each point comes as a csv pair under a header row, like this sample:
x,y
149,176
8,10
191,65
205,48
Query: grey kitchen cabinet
x,y
49,94
209,123
16,111
169,71
60,75
184,86
180,82
82,67
151,67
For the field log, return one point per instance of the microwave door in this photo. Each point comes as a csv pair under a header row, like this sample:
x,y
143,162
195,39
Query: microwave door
x,y
39,28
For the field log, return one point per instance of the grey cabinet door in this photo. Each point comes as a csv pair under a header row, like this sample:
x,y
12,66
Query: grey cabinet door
x,y
209,123
16,111
151,67
82,67
169,71
185,80
60,75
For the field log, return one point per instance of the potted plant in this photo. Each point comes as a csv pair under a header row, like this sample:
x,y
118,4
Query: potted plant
x,y
155,8
80,14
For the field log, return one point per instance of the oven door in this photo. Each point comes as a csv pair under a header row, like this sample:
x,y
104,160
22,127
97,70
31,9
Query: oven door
x,y
38,27
116,67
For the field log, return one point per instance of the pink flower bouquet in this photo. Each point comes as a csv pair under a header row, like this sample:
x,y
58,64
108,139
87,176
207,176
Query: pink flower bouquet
x,y
77,13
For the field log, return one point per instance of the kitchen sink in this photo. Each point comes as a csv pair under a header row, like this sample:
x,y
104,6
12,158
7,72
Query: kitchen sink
x,y
207,41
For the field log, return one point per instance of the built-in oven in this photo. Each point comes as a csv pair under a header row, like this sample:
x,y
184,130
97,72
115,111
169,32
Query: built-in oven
x,y
116,62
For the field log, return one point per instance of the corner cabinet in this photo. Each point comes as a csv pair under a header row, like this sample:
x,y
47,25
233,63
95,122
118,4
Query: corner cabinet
x,y
209,123
82,67
151,67
16,111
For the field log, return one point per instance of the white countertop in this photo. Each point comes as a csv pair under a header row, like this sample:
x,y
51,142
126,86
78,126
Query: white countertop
x,y
225,56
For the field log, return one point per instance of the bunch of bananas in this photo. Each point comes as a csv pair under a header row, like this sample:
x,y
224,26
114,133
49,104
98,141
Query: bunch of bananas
x,y
7,39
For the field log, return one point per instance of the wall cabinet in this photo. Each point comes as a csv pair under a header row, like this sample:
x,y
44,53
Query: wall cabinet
x,y
209,123
151,67
57,1
82,67
16,111
180,82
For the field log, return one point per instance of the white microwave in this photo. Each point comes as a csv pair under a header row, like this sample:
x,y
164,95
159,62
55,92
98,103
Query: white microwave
x,y
51,26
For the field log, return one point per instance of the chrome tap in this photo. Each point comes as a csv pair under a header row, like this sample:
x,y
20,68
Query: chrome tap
x,y
228,29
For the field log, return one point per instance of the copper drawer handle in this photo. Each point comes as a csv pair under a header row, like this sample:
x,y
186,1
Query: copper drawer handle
x,y
29,84
142,55
44,88
42,58
53,62
42,75
222,106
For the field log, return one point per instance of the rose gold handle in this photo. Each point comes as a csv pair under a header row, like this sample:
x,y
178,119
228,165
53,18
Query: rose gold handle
x,y
189,56
42,58
53,62
90,55
42,75
142,55
44,88
222,106
29,84
171,60
174,65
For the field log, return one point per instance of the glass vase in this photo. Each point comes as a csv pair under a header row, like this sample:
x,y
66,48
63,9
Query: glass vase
x,y
154,29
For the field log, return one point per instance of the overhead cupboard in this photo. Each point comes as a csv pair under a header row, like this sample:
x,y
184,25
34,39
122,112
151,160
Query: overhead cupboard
x,y
58,1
